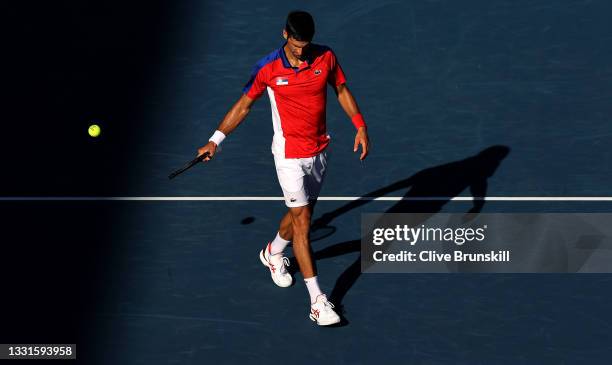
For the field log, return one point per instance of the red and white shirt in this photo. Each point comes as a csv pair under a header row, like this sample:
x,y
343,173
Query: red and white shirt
x,y
298,98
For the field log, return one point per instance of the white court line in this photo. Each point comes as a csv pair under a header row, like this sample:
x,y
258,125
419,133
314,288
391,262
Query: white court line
x,y
326,198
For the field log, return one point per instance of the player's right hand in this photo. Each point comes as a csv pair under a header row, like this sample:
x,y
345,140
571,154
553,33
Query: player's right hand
x,y
210,147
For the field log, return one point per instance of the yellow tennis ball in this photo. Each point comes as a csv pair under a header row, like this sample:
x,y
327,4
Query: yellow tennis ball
x,y
94,130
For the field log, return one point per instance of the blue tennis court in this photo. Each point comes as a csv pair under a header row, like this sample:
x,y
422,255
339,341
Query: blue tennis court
x,y
508,101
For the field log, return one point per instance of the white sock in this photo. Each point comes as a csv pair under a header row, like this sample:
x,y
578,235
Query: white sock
x,y
313,288
278,244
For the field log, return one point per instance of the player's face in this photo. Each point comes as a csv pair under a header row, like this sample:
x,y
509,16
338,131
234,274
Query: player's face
x,y
299,49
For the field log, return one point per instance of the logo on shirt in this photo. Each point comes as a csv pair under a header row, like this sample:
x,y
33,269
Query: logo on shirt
x,y
317,72
282,81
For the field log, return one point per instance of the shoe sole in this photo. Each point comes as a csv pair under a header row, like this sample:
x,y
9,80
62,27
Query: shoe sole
x,y
265,263
312,318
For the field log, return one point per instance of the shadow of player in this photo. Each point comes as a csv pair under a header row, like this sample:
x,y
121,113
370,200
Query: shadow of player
x,y
446,181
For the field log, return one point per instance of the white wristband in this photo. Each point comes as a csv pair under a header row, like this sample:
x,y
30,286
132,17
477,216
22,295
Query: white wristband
x,y
217,137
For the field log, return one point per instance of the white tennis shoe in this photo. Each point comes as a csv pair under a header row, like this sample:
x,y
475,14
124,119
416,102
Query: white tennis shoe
x,y
277,265
322,312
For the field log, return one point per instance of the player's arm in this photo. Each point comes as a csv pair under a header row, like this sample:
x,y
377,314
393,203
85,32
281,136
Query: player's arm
x,y
232,119
348,103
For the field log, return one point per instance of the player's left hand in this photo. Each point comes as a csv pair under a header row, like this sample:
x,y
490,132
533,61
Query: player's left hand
x,y
362,139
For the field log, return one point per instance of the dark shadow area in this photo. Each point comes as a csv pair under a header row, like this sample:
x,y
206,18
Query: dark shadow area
x,y
71,64
447,181
247,220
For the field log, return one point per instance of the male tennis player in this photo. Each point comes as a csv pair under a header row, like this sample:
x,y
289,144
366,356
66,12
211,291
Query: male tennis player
x,y
295,77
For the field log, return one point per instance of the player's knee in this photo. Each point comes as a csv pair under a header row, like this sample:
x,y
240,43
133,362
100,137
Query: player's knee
x,y
300,219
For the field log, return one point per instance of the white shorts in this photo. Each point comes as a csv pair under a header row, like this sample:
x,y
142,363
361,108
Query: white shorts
x,y
301,178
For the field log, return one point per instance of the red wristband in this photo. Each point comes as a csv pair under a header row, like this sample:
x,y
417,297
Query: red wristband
x,y
358,121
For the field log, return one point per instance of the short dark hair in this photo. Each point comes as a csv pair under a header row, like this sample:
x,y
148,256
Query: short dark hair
x,y
300,26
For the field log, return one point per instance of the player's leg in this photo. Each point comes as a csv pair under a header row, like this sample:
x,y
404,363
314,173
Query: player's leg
x,y
300,224
283,236
291,179
285,229
321,310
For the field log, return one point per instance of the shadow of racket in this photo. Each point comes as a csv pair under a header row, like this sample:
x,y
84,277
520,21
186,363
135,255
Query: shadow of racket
x,y
320,232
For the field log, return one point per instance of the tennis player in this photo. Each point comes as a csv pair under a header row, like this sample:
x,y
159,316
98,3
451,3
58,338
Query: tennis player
x,y
296,76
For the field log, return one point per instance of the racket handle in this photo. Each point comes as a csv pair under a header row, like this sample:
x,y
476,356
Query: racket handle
x,y
189,165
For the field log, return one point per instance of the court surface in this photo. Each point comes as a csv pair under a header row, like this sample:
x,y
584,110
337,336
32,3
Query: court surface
x,y
455,94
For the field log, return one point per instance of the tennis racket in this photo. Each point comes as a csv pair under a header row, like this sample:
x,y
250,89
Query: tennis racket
x,y
189,165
